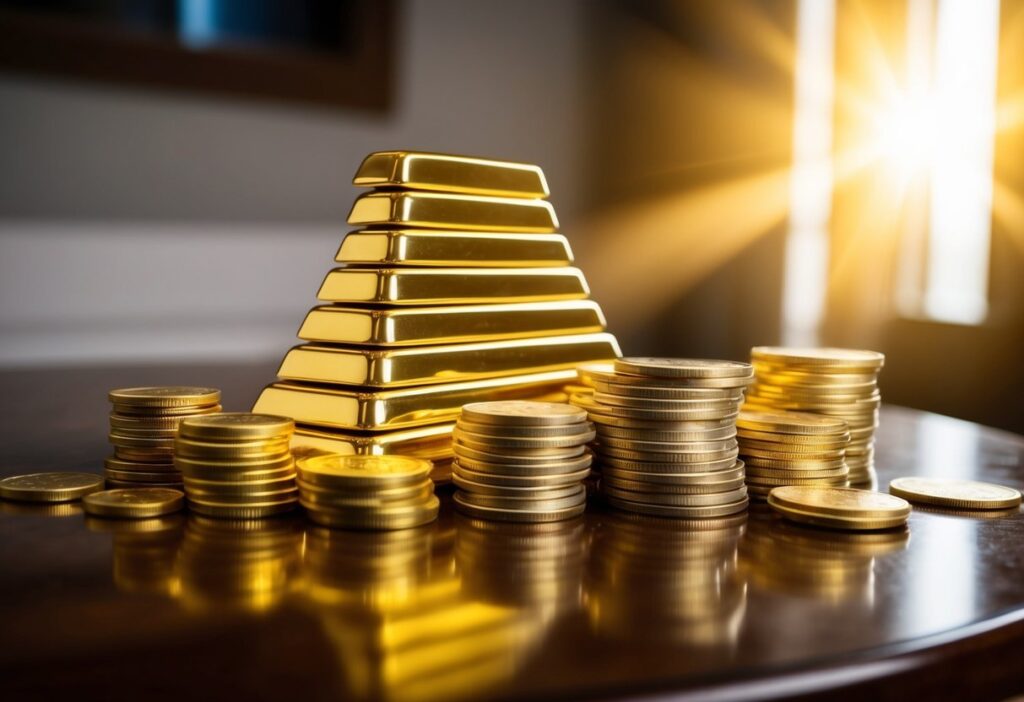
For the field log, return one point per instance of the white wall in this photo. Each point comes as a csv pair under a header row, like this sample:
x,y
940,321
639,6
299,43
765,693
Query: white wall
x,y
142,225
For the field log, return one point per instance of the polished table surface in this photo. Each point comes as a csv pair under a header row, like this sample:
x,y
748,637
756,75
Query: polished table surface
x,y
602,606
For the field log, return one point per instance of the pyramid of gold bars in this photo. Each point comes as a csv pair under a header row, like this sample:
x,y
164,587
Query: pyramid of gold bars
x,y
457,288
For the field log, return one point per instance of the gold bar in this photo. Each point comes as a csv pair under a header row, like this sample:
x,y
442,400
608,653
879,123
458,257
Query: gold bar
x,y
437,211
423,286
415,326
418,247
447,173
424,365
433,442
338,408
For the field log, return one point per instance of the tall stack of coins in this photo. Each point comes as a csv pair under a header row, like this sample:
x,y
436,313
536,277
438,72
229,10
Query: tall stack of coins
x,y
791,448
454,288
143,424
237,465
521,461
840,383
367,492
839,508
666,430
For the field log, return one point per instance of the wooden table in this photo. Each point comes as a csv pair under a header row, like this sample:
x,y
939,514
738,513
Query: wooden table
x,y
604,606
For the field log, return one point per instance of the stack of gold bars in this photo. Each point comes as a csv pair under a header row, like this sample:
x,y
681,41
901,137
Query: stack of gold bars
x,y
367,492
522,461
457,289
666,434
143,424
237,465
840,383
791,448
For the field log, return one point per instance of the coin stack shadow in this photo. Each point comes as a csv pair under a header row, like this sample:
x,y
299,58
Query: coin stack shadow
x,y
524,465
237,465
666,435
841,383
456,289
791,448
367,492
143,424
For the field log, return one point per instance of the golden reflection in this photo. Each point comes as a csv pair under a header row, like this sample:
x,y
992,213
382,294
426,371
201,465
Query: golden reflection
x,y
35,509
238,565
667,581
403,624
145,552
835,566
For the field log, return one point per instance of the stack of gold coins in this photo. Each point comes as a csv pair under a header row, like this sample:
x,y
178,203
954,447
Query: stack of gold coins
x,y
666,431
841,383
521,461
143,424
839,508
367,492
237,465
791,448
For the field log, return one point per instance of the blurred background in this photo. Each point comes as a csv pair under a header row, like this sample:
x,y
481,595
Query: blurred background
x,y
175,174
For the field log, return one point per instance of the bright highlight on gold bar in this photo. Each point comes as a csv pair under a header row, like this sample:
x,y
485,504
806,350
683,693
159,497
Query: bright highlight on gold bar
x,y
423,365
411,326
367,410
420,286
440,211
432,442
416,170
412,247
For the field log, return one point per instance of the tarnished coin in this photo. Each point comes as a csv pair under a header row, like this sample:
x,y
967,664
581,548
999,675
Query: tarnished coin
x,y
790,423
818,358
50,487
235,426
959,494
841,502
682,367
336,470
138,503
171,396
522,412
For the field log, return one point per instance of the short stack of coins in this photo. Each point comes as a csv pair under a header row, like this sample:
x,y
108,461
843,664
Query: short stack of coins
x,y
367,492
791,448
143,424
666,434
521,461
841,383
839,508
237,465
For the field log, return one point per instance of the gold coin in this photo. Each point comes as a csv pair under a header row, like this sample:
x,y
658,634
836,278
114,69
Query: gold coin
x,y
404,517
50,487
231,511
836,522
519,515
790,464
276,471
214,487
667,446
592,373
600,412
164,397
525,432
155,413
114,463
755,471
170,484
236,426
773,454
522,412
686,457
265,449
789,423
735,472
676,511
464,445
676,500
763,482
147,442
140,503
672,489
682,367
524,481
791,442
841,502
961,494
529,503
146,433
823,358
208,467
526,469
367,499
666,405
484,441
659,467
144,455
241,497
656,435
336,470
534,493
667,392
133,423
139,476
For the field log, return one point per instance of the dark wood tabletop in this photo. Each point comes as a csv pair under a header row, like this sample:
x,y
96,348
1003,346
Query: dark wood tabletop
x,y
604,606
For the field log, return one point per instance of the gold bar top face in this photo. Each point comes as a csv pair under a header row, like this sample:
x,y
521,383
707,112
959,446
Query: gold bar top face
x,y
415,326
444,364
360,410
419,247
447,173
459,212
426,286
